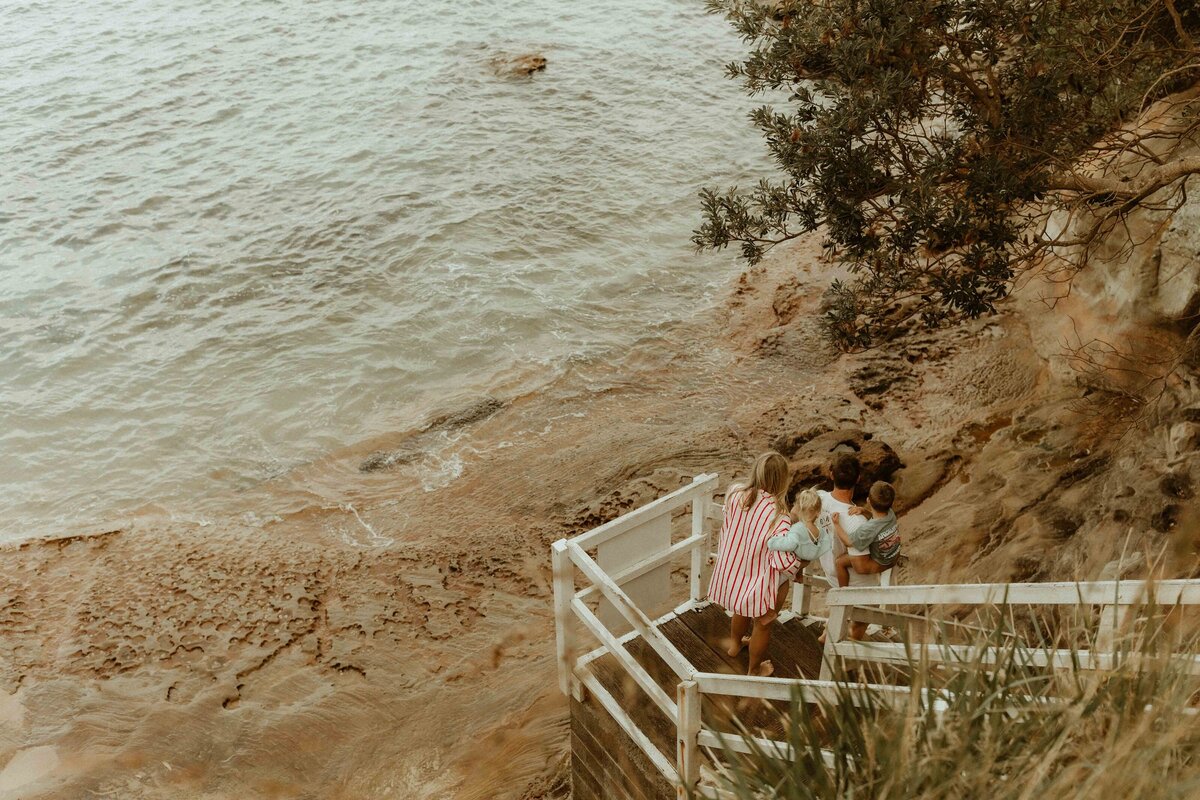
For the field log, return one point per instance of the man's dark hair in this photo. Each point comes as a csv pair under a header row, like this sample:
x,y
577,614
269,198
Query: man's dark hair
x,y
882,495
844,470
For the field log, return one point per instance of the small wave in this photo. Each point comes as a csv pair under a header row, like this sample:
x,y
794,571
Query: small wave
x,y
439,471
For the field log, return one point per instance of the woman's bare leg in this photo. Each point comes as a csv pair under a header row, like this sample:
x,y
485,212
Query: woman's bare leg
x,y
759,640
738,627
781,595
780,599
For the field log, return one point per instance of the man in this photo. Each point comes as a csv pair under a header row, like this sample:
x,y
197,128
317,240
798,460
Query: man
x,y
844,471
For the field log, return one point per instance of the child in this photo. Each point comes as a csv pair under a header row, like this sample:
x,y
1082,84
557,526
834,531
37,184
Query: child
x,y
875,546
803,538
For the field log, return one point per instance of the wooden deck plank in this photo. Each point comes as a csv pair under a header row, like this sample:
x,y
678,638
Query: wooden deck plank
x,y
794,651
709,627
700,634
701,637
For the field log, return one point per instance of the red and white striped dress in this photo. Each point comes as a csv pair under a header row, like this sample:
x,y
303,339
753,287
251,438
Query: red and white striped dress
x,y
746,576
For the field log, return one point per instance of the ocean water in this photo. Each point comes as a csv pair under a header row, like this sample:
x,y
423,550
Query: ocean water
x,y
236,236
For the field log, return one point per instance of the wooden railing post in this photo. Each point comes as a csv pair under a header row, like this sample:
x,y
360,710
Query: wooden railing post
x,y
835,631
564,591
801,595
701,549
688,738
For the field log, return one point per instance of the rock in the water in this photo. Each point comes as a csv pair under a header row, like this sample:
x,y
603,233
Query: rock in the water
x,y
382,460
418,444
479,410
519,66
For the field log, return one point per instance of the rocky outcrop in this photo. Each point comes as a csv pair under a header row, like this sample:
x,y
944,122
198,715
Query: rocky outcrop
x,y
1183,441
810,460
417,444
1177,267
518,66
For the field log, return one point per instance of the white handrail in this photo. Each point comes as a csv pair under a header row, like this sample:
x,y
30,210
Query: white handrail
x,y
1098,593
642,567
610,704
632,614
640,676
687,737
808,691
564,638
1115,598
897,653
701,485
741,743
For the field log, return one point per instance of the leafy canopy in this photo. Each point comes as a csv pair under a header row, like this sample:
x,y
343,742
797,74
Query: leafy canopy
x,y
919,134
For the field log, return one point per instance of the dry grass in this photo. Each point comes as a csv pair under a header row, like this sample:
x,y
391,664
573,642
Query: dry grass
x,y
1012,731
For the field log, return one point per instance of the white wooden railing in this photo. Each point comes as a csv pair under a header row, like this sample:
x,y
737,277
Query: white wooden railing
x,y
573,668
628,583
635,561
1118,600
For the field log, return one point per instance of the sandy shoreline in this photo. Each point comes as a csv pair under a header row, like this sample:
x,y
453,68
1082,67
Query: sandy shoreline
x,y
403,648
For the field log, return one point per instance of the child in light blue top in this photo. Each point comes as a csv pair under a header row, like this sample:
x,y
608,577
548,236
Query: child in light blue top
x,y
804,538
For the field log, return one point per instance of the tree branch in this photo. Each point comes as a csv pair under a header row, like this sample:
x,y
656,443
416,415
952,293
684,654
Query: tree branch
x,y
1123,188
1183,34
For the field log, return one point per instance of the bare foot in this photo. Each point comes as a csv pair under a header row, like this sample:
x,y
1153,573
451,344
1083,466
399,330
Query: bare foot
x,y
735,647
765,669
821,640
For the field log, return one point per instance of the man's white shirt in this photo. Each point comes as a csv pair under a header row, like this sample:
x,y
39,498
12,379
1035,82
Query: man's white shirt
x,y
850,523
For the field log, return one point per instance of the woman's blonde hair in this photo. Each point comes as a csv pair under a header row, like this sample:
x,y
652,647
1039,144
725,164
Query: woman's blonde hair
x,y
770,474
807,502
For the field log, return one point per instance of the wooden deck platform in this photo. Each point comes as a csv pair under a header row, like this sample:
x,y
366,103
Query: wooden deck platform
x,y
603,756
658,708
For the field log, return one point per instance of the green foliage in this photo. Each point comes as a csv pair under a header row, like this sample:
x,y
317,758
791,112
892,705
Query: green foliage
x,y
914,131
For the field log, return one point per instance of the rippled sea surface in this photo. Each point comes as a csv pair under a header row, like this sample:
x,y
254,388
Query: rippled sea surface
x,y
235,236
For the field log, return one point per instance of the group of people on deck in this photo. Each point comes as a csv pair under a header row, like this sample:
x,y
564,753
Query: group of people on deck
x,y
764,545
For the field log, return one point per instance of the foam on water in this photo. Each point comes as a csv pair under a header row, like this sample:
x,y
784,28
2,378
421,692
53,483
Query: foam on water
x,y
237,236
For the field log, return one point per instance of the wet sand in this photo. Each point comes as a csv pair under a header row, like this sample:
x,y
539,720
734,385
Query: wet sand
x,y
401,645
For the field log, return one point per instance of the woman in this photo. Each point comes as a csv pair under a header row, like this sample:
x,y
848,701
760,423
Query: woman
x,y
748,578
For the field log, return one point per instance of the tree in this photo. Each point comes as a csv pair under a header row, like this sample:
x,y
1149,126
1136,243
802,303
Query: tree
x,y
946,147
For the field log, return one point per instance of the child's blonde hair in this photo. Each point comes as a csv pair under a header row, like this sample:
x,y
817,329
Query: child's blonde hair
x,y
807,502
770,475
